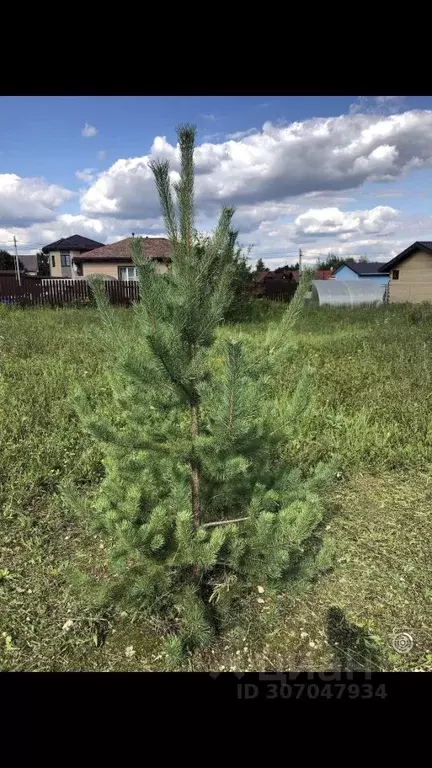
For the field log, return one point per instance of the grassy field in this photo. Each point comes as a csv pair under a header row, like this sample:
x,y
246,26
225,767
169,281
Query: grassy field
x,y
372,406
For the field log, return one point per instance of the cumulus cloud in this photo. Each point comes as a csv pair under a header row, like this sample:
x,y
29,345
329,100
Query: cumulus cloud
x,y
105,230
88,131
126,190
241,134
33,237
292,186
25,200
333,221
87,174
248,218
278,162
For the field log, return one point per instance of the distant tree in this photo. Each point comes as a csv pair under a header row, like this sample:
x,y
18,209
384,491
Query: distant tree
x,y
43,264
260,266
7,261
363,260
333,262
288,267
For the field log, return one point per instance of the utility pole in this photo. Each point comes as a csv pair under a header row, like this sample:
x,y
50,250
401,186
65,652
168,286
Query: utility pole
x,y
300,262
17,262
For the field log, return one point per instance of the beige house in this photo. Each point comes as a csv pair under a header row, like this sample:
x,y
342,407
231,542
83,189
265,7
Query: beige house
x,y
411,274
115,261
63,252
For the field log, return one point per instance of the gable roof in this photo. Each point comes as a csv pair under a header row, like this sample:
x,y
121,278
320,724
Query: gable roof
x,y
29,262
419,245
72,243
365,268
154,247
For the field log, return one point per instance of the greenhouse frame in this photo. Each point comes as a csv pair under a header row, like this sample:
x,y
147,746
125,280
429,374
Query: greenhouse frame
x,y
351,293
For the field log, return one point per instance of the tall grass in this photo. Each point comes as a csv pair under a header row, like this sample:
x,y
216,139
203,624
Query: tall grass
x,y
372,406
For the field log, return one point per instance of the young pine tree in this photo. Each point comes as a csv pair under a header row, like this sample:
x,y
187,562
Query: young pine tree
x,y
197,503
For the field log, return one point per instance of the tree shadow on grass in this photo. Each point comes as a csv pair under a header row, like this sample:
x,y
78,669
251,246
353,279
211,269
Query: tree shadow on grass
x,y
353,647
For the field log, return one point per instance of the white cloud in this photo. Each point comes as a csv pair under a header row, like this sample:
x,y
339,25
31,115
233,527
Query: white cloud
x,y
87,175
320,155
126,190
292,186
248,218
333,221
24,200
274,175
105,230
211,118
241,134
88,131
219,135
101,155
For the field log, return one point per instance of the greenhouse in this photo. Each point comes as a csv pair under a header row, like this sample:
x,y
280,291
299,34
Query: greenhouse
x,y
350,293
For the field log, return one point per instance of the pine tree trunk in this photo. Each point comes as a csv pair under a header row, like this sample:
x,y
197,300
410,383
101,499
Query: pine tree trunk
x,y
195,481
194,467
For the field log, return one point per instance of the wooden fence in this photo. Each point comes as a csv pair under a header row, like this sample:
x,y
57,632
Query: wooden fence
x,y
278,290
35,292
51,292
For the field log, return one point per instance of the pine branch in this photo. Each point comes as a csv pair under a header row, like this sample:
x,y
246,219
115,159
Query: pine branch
x,y
224,522
160,170
185,188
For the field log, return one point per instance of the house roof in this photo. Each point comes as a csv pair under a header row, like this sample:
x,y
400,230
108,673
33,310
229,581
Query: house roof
x,y
72,243
29,262
154,247
283,273
323,274
419,245
365,268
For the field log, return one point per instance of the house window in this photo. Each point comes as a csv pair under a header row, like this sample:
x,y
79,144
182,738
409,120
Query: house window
x,y
65,259
128,273
395,274
53,259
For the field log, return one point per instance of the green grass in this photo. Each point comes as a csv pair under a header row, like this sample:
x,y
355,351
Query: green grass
x,y
372,406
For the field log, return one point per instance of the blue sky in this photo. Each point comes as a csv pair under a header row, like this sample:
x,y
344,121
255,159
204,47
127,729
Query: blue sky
x,y
347,174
